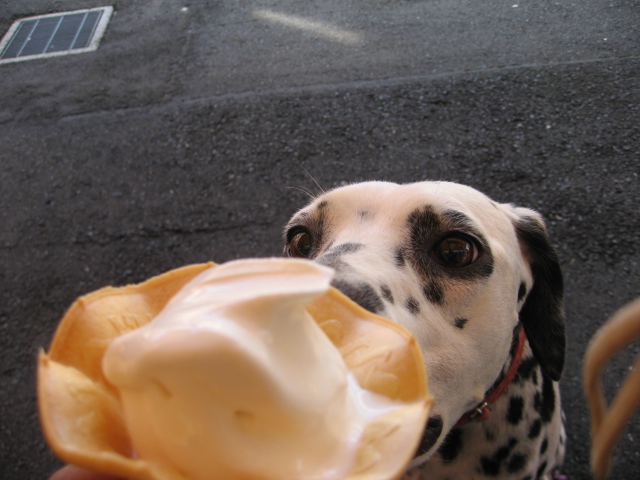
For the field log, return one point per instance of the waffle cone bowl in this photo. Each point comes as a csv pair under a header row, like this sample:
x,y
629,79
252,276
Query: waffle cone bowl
x,y
85,421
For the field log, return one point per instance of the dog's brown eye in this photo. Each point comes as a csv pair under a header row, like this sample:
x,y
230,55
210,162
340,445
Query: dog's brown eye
x,y
300,245
456,252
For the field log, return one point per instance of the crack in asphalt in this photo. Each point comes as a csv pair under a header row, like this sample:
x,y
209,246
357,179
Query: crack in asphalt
x,y
324,87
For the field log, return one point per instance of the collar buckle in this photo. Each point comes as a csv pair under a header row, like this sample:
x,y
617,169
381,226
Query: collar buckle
x,y
481,412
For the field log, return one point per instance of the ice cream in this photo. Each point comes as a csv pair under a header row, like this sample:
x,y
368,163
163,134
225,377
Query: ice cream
x,y
233,378
240,380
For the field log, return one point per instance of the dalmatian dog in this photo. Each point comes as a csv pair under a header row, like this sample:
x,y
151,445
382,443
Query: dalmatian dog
x,y
480,287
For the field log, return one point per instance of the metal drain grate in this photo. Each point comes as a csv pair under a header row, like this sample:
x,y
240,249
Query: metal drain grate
x,y
55,34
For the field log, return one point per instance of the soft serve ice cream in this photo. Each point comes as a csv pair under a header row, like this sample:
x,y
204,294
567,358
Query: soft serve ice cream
x,y
223,373
235,379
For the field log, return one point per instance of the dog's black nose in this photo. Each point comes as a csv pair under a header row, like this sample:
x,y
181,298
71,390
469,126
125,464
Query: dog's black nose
x,y
361,293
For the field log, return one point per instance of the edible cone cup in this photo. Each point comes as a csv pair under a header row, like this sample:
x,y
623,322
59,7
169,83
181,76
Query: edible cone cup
x,y
82,415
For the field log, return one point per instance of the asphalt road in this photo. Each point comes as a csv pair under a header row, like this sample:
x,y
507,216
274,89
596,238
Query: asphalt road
x,y
183,139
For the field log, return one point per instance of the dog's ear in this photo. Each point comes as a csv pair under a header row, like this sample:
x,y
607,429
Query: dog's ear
x,y
542,313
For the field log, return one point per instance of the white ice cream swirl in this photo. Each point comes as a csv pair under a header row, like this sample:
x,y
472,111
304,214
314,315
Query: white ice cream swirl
x,y
234,379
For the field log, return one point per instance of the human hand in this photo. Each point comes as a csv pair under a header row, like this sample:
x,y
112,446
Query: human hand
x,y
72,472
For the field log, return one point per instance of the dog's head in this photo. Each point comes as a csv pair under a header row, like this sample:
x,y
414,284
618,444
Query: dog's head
x,y
458,270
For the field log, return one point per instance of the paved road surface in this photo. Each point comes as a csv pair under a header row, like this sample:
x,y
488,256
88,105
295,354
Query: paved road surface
x,y
183,139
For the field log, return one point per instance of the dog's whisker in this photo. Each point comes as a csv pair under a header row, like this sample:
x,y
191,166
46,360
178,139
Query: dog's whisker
x,y
438,183
305,191
322,191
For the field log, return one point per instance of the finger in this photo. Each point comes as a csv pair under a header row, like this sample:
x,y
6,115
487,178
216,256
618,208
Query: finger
x,y
72,472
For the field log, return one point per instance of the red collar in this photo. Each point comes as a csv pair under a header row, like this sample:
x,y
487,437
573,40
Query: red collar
x,y
483,410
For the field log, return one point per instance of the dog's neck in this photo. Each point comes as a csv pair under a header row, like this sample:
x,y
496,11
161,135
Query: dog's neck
x,y
493,394
483,410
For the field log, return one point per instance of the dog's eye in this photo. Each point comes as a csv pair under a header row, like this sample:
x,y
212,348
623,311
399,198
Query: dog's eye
x,y
456,252
300,245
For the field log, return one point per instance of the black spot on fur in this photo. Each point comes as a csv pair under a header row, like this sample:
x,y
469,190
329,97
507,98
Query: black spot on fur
x,y
522,291
544,446
489,434
362,293
332,256
527,370
527,367
433,292
365,215
412,305
460,322
399,258
451,446
535,429
425,224
545,401
431,434
537,401
491,466
541,470
323,204
386,293
349,247
516,408
459,219
515,340
516,463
